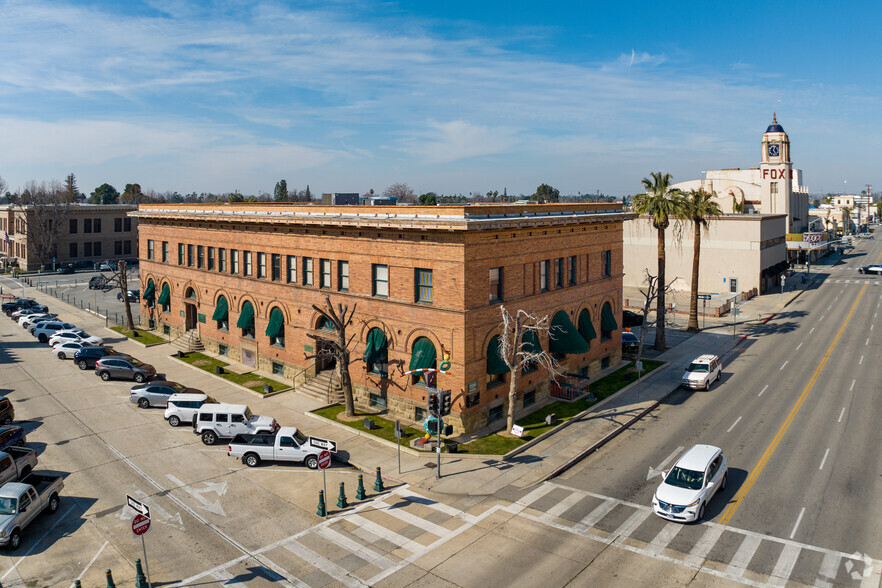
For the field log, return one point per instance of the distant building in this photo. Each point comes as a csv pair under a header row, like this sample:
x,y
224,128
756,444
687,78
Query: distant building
x,y
340,198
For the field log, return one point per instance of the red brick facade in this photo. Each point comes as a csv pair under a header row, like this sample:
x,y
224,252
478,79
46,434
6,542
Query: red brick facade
x,y
458,244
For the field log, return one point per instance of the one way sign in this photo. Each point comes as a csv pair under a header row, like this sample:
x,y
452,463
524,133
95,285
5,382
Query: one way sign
x,y
138,506
323,444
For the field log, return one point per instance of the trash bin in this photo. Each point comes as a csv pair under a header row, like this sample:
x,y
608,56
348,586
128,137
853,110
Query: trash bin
x,y
452,447
218,369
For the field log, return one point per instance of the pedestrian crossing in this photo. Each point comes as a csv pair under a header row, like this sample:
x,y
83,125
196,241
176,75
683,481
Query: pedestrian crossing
x,y
861,282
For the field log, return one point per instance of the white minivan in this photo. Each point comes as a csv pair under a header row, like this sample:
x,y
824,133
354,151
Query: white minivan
x,y
702,372
182,408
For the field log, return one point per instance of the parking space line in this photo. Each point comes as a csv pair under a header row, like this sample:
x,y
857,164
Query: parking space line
x,y
91,561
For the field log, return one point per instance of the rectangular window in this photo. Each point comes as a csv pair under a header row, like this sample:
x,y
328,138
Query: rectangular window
x,y
495,413
127,247
189,256
529,398
117,225
558,272
221,259
73,226
325,273
607,263
495,284
292,269
180,254
572,270
381,280
149,248
246,264
165,251
127,225
307,271
773,188
543,275
277,267
73,250
200,255
117,247
222,350
210,258
87,225
424,286
96,247
278,369
261,265
96,225
234,261
87,249
343,276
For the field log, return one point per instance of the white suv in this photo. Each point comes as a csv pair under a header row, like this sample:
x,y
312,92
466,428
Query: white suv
x,y
691,483
183,407
225,421
702,372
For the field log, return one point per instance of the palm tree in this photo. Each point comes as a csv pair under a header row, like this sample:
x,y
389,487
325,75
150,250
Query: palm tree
x,y
846,220
697,206
661,203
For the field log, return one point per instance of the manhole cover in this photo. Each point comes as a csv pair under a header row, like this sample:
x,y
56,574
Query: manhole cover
x,y
431,465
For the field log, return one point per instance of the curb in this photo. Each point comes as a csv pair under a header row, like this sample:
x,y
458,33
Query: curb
x,y
217,377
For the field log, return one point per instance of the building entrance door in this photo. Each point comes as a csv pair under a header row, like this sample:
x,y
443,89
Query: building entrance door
x,y
733,285
189,316
324,362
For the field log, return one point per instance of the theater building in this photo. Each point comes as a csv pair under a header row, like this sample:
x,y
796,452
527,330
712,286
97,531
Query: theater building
x,y
427,284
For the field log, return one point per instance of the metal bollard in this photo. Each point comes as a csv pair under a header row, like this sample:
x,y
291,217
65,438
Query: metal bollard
x,y
322,511
110,583
341,500
359,492
140,578
378,485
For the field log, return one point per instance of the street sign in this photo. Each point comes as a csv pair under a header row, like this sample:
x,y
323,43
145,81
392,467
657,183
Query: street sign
x,y
323,444
138,506
639,365
140,524
703,296
324,459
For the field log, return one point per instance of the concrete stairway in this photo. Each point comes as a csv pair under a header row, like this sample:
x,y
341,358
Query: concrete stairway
x,y
318,387
188,341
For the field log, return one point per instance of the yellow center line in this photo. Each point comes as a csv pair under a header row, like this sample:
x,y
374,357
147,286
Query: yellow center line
x,y
742,492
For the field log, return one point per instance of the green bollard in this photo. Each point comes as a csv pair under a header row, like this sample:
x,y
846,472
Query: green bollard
x,y
359,492
322,512
77,584
341,500
140,578
110,583
378,485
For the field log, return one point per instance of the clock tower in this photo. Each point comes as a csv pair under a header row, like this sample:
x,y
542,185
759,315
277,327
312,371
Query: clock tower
x,y
776,178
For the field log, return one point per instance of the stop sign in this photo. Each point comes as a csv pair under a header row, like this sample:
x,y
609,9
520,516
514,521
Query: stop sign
x,y
324,459
140,524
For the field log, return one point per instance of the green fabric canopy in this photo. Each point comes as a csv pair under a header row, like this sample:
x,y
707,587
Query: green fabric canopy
x,y
246,319
164,295
607,320
276,326
150,292
423,355
530,342
495,363
564,338
586,327
221,311
376,348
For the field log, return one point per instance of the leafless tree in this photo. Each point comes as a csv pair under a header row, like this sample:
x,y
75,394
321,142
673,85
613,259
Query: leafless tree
x,y
650,317
519,355
3,186
337,347
120,281
50,207
402,192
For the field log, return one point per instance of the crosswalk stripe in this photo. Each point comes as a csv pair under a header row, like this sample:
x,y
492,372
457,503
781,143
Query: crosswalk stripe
x,y
433,504
703,546
665,536
322,563
565,504
365,552
784,566
530,498
224,577
871,574
827,572
628,527
383,533
742,557
598,513
416,521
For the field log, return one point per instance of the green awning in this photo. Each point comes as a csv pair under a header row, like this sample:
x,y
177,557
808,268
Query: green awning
x,y
376,348
564,338
495,363
150,292
246,319
221,311
164,295
423,355
586,327
607,320
530,342
276,326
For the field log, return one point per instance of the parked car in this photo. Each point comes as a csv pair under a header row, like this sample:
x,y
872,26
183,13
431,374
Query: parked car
x,y
42,331
79,336
107,267
21,502
87,357
67,349
631,319
132,295
685,490
183,407
27,321
65,269
12,435
157,393
16,463
286,444
702,372
225,421
97,282
871,269
10,307
630,342
16,315
7,411
128,368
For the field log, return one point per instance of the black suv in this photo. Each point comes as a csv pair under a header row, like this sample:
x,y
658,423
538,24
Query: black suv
x,y
7,413
87,357
10,307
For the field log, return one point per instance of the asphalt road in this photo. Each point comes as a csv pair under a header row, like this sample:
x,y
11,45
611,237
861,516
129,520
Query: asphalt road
x,y
797,414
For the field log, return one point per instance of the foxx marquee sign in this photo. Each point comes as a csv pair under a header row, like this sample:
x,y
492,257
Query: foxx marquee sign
x,y
776,174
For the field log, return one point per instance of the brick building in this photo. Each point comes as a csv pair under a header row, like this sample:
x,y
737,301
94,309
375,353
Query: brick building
x,y
428,283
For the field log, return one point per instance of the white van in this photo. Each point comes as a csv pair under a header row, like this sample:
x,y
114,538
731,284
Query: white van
x,y
702,372
225,421
183,407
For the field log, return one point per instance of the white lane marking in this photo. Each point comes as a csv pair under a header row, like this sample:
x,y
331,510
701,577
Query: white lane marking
x,y
784,364
798,519
37,542
628,527
556,510
220,488
733,425
829,307
785,564
871,326
822,317
665,536
593,517
530,498
660,469
763,390
704,545
875,314
742,557
798,346
826,453
852,385
841,415
89,565
861,360
827,572
867,341
812,331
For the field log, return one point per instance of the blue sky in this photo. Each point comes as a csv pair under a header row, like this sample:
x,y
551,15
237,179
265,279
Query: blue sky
x,y
447,96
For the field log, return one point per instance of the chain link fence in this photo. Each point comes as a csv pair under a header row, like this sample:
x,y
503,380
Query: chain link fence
x,y
66,294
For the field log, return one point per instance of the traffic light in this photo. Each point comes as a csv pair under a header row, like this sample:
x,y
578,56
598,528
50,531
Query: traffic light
x,y
447,431
445,402
432,426
433,402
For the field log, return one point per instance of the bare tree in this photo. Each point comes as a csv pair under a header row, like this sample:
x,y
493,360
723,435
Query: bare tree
x,y
518,354
338,347
650,317
402,192
120,280
3,186
48,202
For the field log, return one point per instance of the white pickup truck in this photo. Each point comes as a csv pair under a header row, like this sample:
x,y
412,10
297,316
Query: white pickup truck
x,y
287,444
21,502
16,463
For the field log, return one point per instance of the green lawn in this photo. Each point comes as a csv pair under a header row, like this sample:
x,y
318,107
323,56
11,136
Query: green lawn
x,y
143,336
252,381
383,428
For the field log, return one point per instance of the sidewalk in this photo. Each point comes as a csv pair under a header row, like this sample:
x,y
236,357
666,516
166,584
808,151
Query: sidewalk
x,y
462,474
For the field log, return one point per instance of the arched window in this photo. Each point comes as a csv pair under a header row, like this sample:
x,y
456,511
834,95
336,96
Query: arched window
x,y
324,324
275,330
164,299
191,293
586,327
246,320
564,338
496,368
608,322
222,313
376,352
422,356
150,293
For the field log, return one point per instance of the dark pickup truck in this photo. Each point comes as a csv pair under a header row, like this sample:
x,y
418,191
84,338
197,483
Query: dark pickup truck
x,y
10,307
